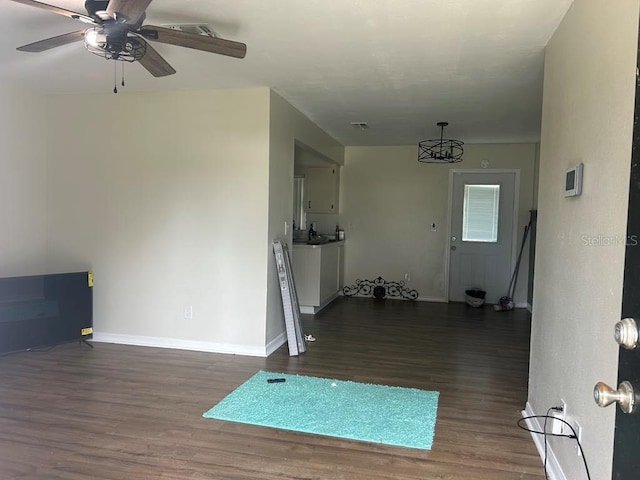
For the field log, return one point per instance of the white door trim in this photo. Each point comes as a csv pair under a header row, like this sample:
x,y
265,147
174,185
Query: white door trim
x,y
516,205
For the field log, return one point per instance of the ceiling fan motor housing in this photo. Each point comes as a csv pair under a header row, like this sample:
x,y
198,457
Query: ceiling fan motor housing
x,y
97,9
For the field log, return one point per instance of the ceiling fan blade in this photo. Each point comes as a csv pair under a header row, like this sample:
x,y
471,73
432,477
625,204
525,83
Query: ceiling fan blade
x,y
194,40
155,64
58,10
53,42
132,10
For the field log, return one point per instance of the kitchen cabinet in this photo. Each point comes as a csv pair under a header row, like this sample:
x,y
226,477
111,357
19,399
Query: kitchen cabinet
x,y
318,274
321,187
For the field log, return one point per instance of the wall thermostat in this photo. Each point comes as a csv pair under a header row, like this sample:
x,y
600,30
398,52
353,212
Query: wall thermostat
x,y
573,181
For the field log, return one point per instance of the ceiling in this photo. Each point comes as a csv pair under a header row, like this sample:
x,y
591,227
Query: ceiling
x,y
399,65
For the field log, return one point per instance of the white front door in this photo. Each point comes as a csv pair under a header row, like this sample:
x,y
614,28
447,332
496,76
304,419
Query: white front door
x,y
482,213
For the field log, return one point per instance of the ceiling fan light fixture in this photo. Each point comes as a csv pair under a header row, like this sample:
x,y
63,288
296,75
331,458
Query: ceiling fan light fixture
x,y
123,46
94,37
440,150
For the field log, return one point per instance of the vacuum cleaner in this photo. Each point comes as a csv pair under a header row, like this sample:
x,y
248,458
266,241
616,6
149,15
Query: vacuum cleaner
x,y
506,303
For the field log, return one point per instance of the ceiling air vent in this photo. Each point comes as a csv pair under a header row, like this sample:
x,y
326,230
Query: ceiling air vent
x,y
360,125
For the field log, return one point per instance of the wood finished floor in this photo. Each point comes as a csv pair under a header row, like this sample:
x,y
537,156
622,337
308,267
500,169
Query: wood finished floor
x,y
121,412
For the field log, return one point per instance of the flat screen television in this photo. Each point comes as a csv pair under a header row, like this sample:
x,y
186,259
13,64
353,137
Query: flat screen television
x,y
43,310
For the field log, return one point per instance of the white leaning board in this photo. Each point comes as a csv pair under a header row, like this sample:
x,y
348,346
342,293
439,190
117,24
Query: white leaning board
x,y
295,337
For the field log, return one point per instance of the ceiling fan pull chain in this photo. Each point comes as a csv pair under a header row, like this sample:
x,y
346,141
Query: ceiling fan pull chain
x,y
115,76
122,73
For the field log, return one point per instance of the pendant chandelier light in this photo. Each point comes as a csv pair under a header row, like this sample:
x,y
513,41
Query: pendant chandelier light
x,y
440,150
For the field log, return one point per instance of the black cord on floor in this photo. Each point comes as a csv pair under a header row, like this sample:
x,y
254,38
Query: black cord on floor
x,y
546,434
546,443
45,349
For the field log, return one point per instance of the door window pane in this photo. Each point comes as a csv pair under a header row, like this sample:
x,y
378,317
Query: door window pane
x,y
480,213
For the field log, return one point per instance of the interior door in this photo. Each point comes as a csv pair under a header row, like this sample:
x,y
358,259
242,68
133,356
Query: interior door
x,y
481,233
626,448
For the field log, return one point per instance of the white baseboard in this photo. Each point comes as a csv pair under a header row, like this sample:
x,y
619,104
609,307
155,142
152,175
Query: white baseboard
x,y
432,299
312,310
180,344
419,299
554,471
529,307
276,343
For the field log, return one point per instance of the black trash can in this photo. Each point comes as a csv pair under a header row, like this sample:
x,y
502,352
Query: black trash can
x,y
475,297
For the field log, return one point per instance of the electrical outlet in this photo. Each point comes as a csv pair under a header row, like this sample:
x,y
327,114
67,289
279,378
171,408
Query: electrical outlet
x,y
188,312
556,425
570,420
577,428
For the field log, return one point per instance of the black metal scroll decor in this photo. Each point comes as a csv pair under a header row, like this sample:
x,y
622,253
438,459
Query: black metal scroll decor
x,y
380,288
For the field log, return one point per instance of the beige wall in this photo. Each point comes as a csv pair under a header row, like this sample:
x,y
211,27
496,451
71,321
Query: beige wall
x,y
22,184
172,198
287,126
389,200
165,196
536,177
587,117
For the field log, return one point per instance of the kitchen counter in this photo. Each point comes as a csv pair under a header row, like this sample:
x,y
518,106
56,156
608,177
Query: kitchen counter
x,y
316,245
317,273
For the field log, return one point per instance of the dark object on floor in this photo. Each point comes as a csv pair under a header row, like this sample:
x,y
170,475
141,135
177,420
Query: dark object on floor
x,y
44,310
475,298
506,303
380,288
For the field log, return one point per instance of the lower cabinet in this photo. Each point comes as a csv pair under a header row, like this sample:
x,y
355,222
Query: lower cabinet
x,y
318,274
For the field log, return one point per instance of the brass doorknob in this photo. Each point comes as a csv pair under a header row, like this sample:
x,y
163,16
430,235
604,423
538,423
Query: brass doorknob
x,y
626,333
604,396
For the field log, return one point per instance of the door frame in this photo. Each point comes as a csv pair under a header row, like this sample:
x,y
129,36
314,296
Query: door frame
x,y
516,206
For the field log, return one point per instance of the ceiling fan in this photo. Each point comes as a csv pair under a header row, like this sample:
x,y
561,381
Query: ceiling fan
x,y
116,32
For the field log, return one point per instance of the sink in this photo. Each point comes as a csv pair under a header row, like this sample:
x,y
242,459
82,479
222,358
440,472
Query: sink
x,y
319,240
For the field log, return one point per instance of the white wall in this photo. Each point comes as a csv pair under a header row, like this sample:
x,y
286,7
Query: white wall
x,y
287,126
389,200
587,117
22,184
165,196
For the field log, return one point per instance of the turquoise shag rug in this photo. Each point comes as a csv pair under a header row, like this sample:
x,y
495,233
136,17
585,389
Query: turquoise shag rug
x,y
399,416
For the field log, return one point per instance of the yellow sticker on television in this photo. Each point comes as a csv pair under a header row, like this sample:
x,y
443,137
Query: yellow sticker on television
x,y
90,279
86,331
